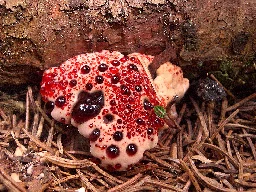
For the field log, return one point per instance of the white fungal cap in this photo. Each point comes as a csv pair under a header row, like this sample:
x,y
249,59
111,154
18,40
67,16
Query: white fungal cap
x,y
169,82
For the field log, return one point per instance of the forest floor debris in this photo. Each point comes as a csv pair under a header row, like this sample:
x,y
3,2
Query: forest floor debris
x,y
211,147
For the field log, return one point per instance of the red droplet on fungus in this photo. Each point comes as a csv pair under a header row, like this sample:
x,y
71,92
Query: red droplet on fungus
x,y
131,149
115,62
112,151
85,69
60,101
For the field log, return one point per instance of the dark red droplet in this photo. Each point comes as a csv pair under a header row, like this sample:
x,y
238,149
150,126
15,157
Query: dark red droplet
x,y
60,101
88,106
72,83
94,135
133,67
112,102
119,121
150,131
108,118
131,149
125,90
85,69
112,151
88,86
128,106
99,79
140,121
115,62
132,58
49,106
158,122
118,166
138,131
125,58
83,112
118,136
115,79
138,88
147,105
102,67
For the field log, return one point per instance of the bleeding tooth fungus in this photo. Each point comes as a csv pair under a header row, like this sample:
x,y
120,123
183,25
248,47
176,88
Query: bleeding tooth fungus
x,y
110,98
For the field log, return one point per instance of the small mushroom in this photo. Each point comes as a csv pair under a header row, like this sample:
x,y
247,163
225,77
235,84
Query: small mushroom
x,y
110,98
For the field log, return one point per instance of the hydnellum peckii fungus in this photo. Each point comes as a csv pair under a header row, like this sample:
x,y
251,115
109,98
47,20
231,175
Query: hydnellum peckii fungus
x,y
110,98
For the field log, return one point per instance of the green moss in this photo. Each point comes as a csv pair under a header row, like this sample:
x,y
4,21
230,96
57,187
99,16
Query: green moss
x,y
239,77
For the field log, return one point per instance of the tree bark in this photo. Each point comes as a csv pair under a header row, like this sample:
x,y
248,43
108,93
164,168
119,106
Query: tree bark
x,y
37,34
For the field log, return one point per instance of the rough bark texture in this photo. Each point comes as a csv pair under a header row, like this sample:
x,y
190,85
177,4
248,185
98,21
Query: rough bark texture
x,y
196,34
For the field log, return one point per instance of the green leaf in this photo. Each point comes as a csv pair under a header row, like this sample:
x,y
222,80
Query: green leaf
x,y
160,111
